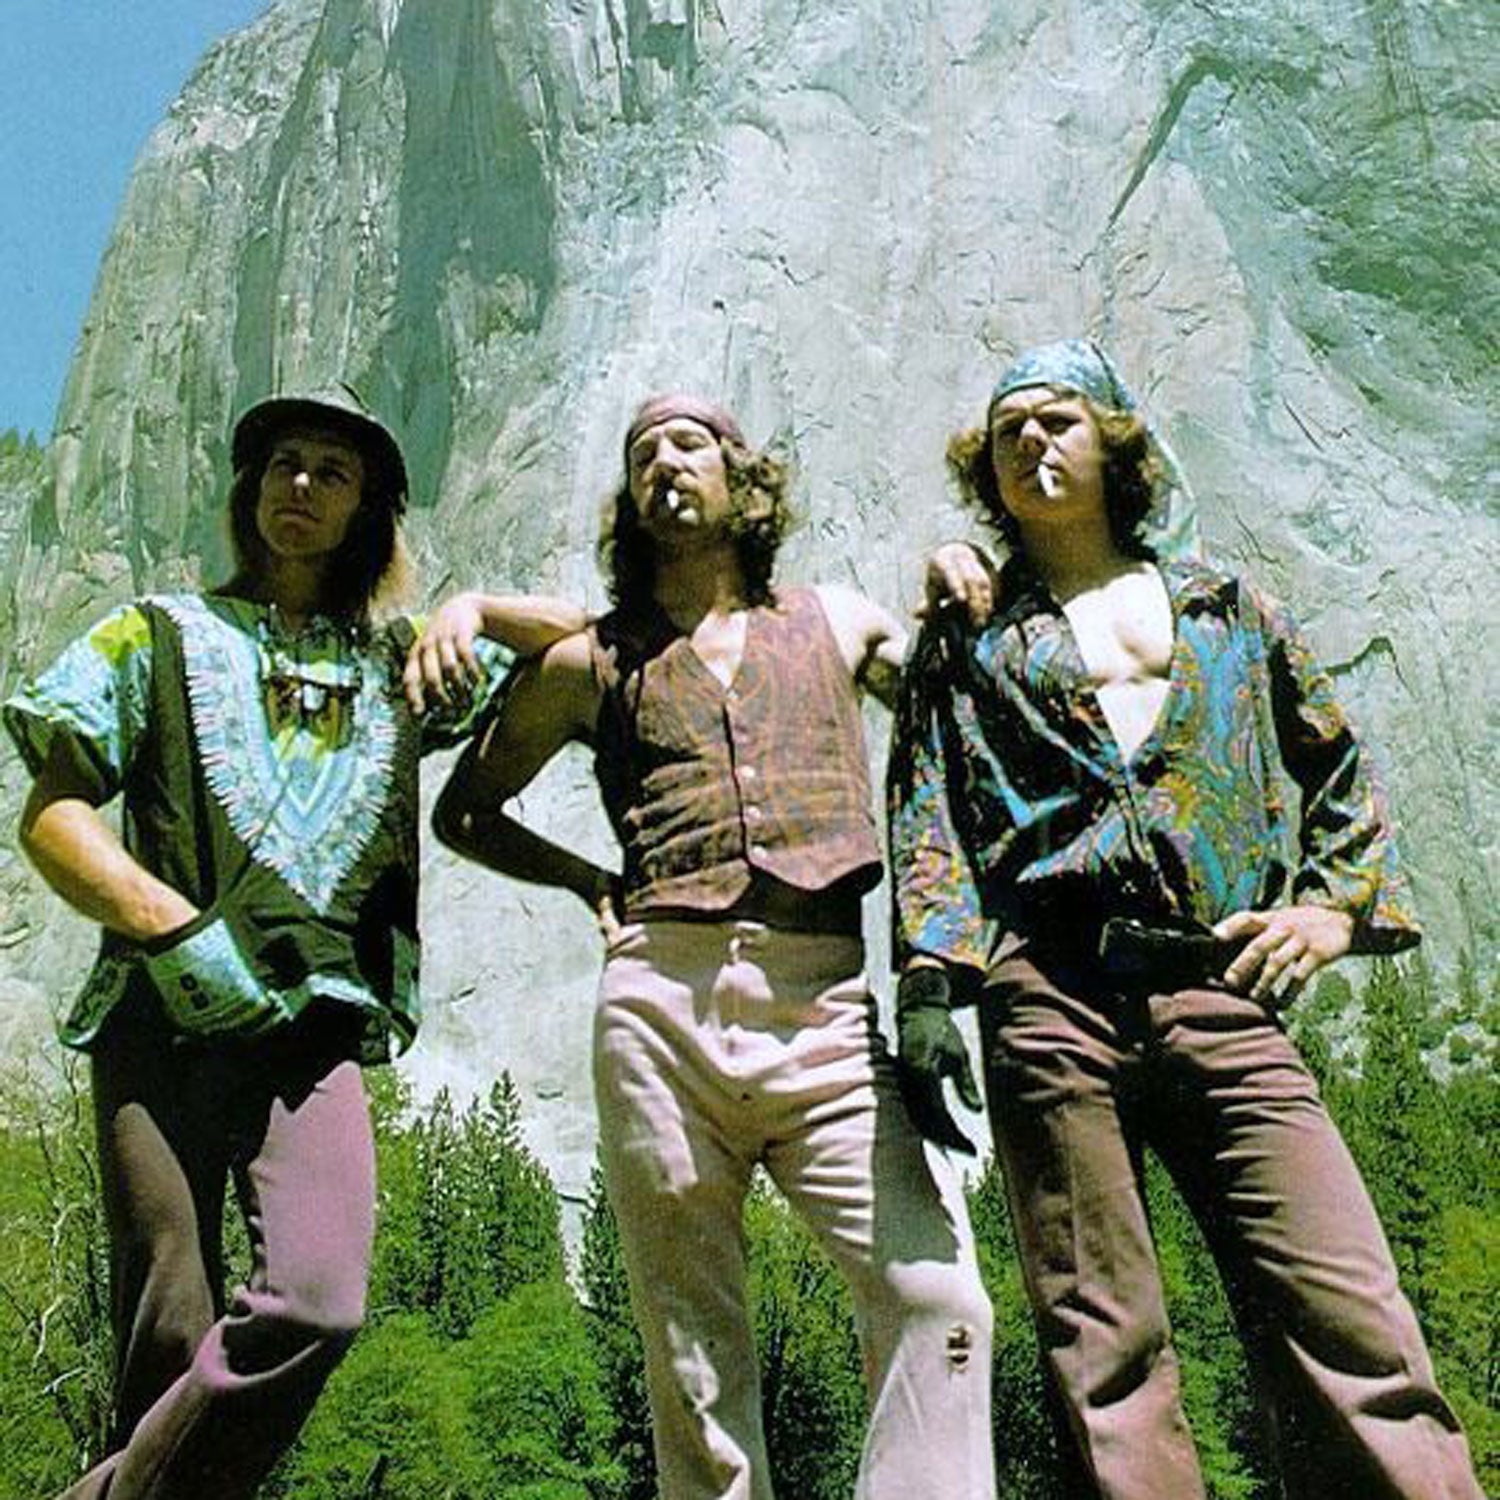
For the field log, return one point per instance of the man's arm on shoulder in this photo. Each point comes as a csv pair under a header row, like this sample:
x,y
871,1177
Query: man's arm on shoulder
x,y
442,662
81,857
962,575
552,702
871,638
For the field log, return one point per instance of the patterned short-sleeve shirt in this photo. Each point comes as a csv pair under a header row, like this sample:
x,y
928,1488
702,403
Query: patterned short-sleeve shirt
x,y
268,775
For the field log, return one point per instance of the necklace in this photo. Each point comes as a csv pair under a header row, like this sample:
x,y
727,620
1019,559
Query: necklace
x,y
316,693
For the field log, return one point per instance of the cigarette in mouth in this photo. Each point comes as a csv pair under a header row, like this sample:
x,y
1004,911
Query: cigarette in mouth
x,y
1047,478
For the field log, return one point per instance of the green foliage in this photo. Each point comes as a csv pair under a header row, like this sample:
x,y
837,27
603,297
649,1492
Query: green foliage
x,y
617,1343
467,1212
481,1377
812,1384
516,1409
1427,1151
477,1378
55,1349
394,1421
1393,1118
20,449
1463,1328
540,1401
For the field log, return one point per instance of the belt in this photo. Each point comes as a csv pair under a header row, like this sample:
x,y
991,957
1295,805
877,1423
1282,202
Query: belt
x,y
1138,956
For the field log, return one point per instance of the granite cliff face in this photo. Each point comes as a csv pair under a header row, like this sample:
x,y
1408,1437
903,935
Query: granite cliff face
x,y
505,220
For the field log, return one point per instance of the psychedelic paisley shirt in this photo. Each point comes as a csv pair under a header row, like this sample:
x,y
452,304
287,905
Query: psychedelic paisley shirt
x,y
1012,809
270,776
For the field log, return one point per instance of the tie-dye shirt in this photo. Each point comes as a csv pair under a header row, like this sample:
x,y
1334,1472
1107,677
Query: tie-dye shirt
x,y
1012,808
268,775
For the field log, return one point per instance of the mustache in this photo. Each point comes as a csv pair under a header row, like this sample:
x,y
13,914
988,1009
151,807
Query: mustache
x,y
665,492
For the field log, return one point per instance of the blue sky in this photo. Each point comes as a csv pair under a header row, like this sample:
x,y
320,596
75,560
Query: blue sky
x,y
85,83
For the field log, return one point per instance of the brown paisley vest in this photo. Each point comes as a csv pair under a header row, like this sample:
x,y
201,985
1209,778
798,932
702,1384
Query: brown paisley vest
x,y
710,787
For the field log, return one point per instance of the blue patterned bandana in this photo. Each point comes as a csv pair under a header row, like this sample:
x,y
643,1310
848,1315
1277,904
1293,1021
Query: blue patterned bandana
x,y
1071,364
1081,365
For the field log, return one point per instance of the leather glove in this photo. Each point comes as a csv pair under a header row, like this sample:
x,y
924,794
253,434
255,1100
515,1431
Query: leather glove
x,y
930,1049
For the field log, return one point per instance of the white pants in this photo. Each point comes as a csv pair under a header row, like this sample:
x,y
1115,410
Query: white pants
x,y
720,1046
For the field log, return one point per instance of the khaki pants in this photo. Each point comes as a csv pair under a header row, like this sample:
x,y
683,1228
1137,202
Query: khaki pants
x,y
209,1397
1076,1088
721,1046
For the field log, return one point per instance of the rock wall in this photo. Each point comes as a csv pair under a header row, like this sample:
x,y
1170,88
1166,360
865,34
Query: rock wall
x,y
505,220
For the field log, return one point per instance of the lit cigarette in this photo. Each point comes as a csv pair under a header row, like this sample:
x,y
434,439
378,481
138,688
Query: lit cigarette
x,y
1047,478
674,501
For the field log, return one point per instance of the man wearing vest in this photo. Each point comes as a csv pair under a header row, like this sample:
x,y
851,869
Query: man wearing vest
x,y
734,1026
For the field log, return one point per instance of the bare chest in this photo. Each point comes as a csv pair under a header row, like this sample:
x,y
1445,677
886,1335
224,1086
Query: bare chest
x,y
1124,634
718,642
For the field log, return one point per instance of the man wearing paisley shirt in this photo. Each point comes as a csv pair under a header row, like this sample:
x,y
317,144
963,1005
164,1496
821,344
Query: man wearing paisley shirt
x,y
1129,818
734,1027
259,933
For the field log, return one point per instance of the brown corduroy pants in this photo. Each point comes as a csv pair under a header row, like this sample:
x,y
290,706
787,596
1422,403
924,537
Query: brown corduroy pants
x,y
208,1397
1078,1086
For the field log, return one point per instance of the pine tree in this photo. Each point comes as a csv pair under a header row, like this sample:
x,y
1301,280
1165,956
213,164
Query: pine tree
x,y
1394,1124
395,1421
540,1403
468,1213
812,1382
617,1342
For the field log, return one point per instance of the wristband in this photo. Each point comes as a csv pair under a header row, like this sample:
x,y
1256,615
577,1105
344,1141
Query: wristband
x,y
925,987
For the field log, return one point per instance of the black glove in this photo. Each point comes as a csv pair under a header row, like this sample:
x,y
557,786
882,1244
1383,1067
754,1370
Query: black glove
x,y
930,1049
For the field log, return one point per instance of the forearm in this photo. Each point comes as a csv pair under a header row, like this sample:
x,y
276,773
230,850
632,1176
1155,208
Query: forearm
x,y
77,853
500,843
527,623
920,961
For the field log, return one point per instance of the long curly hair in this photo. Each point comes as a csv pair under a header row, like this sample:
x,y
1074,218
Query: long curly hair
x,y
761,516
369,573
1131,473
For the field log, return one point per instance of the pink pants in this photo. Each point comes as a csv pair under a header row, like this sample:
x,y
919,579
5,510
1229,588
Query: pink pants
x,y
208,1398
723,1046
1077,1088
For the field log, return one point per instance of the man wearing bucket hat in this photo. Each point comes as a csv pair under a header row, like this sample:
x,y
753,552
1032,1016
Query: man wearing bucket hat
x,y
259,933
1090,837
734,1026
